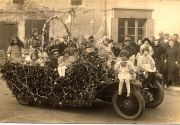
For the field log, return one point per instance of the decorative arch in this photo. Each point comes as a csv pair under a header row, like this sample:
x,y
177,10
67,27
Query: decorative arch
x,y
48,21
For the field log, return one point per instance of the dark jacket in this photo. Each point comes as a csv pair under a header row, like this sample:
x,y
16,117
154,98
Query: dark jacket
x,y
131,50
171,57
158,53
53,63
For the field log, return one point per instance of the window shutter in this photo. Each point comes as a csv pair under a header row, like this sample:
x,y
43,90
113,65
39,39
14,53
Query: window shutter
x,y
114,29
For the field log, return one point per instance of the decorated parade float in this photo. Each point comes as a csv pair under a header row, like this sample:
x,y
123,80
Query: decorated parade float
x,y
86,80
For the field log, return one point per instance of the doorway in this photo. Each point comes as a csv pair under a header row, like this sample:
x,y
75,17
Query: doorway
x,y
7,31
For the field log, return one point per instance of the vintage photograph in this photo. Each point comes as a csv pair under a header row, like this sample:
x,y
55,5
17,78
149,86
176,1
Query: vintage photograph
x,y
90,61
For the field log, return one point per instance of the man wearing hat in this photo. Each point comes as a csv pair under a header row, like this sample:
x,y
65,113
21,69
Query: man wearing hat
x,y
90,44
54,55
161,38
164,42
128,37
175,38
129,47
177,45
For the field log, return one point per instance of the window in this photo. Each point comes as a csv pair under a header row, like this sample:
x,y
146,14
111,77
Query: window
x,y
133,27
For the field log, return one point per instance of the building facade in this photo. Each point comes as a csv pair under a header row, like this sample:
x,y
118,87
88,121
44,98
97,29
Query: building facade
x,y
139,18
136,22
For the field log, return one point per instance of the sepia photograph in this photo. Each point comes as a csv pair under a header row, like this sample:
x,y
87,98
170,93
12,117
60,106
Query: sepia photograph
x,y
90,61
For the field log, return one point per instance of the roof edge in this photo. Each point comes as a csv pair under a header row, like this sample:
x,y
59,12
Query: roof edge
x,y
137,9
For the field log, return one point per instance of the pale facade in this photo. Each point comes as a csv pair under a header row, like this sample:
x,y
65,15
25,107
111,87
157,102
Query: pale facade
x,y
155,15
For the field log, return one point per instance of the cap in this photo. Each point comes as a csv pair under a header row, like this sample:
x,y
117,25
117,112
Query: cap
x,y
54,50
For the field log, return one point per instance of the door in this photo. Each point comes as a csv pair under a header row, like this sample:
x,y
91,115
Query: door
x,y
7,31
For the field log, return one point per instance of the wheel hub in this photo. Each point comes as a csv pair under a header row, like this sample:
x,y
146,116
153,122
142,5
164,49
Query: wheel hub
x,y
128,104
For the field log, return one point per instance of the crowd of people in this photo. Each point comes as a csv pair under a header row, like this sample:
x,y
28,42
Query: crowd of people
x,y
161,54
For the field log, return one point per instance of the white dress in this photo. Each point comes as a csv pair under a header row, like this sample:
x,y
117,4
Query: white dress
x,y
124,72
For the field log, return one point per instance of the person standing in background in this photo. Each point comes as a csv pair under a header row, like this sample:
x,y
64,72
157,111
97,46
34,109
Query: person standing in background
x,y
139,43
171,60
164,42
177,45
161,38
152,38
175,38
127,45
128,37
158,53
15,51
138,46
35,41
146,43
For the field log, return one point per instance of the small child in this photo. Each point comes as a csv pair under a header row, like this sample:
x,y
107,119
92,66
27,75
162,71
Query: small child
x,y
44,58
146,62
125,70
63,62
147,65
33,60
62,66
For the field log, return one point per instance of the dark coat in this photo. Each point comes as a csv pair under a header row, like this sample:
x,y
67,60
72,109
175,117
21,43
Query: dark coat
x,y
53,63
163,44
35,41
62,46
158,53
171,57
131,50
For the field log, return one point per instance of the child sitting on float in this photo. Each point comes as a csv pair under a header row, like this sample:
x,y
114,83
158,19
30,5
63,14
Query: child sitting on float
x,y
45,58
64,62
33,60
146,62
125,70
146,44
146,65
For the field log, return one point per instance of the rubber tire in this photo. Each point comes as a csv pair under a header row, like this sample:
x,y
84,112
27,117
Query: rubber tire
x,y
141,106
161,97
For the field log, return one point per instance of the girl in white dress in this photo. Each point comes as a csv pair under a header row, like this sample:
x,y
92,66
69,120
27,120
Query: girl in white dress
x,y
124,68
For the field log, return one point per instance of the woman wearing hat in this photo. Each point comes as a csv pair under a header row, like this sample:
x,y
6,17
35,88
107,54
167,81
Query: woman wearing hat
x,y
146,43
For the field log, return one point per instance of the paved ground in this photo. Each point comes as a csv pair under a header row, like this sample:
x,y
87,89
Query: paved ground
x,y
11,111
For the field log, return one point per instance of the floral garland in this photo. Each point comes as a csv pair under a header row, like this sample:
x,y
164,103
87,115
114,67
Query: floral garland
x,y
42,86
